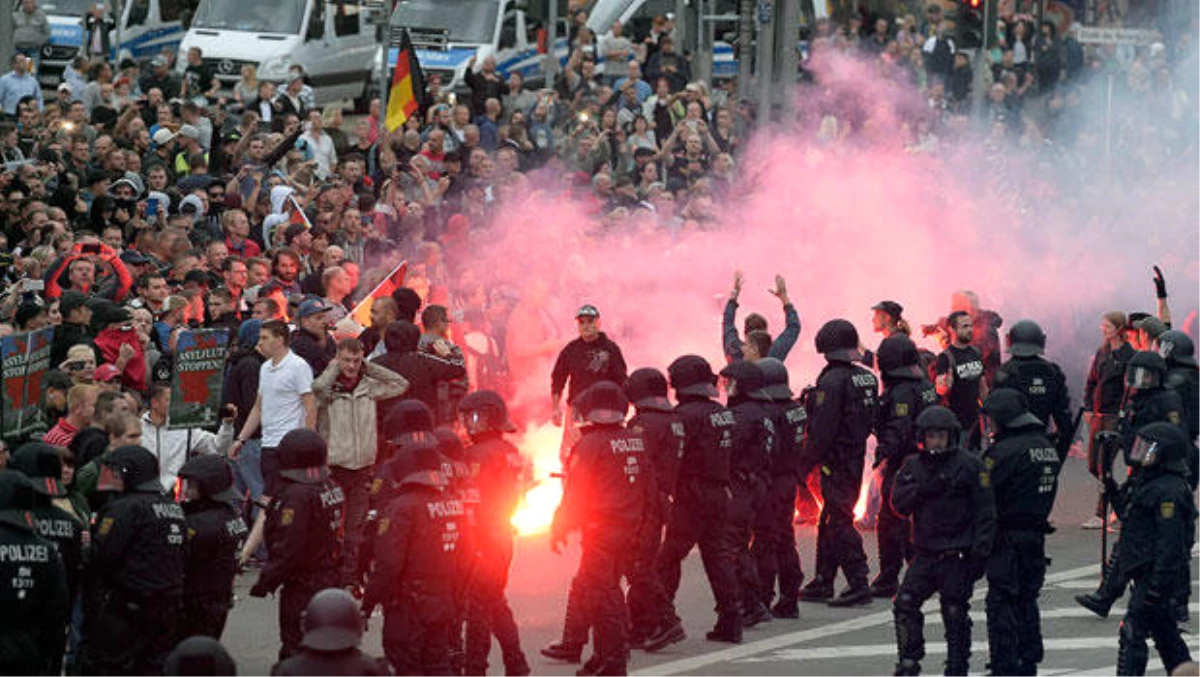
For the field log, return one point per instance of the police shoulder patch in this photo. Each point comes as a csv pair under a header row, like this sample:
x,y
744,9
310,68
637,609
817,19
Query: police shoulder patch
x,y
376,486
985,479
106,525
383,526
1166,509
989,462
286,518
1173,417
902,408
819,397
191,533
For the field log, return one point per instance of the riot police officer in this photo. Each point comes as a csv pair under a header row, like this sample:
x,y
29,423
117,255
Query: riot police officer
x,y
43,466
700,514
1179,352
34,605
416,560
774,538
501,474
610,482
842,410
134,581
216,533
1147,401
754,445
1158,516
1023,466
333,630
906,393
656,421
946,491
1042,382
461,486
303,534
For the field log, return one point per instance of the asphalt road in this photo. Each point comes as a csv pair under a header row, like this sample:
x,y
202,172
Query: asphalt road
x,y
823,641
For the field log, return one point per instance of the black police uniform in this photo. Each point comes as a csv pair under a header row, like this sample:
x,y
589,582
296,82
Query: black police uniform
x,y
609,485
43,466
347,662
949,497
215,534
1023,466
333,630
774,547
1184,378
1045,387
1158,518
659,426
906,393
34,603
303,533
461,486
135,573
754,446
416,561
700,514
842,412
498,471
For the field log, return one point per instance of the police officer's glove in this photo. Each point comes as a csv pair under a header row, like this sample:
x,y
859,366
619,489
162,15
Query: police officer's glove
x,y
1160,284
261,589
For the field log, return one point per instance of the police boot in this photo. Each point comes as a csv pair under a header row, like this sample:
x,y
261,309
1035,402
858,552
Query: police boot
x,y
754,614
666,634
591,667
786,608
1096,603
859,593
819,589
885,585
728,629
561,651
958,639
907,666
1132,653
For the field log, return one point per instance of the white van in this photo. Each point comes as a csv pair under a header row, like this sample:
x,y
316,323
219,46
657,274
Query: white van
x,y
332,41
447,33
147,27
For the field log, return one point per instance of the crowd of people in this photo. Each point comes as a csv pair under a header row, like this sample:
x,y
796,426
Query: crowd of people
x,y
139,201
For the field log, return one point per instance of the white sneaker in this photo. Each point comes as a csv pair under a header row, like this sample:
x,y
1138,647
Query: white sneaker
x,y
1093,523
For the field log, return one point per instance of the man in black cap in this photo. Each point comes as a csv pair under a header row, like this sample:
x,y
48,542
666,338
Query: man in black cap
x,y
700,515
215,536
333,630
885,319
610,483
303,533
75,326
34,603
135,570
311,340
417,554
589,359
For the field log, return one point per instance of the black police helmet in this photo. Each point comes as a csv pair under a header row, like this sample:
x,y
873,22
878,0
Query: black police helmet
x,y
1145,370
1162,445
1177,347
898,357
1009,408
1026,339
838,340
136,465
938,418
212,475
603,403
692,375
646,388
485,411
332,621
775,379
303,455
200,655
407,416
16,499
747,377
42,465
1147,359
419,462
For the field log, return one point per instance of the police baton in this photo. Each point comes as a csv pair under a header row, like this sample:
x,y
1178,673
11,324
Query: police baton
x,y
1109,444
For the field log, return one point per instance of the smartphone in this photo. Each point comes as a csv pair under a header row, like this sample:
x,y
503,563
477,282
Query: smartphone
x,y
151,209
34,285
93,248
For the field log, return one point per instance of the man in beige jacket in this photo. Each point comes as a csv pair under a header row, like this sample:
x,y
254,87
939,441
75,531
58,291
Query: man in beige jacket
x,y
346,394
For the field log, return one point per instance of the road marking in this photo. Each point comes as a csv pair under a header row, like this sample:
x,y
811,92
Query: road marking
x,y
872,650
742,651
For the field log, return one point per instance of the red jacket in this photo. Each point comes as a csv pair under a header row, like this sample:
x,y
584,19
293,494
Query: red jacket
x,y
109,342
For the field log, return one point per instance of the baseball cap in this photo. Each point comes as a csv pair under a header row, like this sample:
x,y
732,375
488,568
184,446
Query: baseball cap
x,y
132,257
162,136
106,372
71,300
892,308
159,61
311,307
190,132
587,310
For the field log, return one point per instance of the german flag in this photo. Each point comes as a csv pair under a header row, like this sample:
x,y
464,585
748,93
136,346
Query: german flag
x,y
408,85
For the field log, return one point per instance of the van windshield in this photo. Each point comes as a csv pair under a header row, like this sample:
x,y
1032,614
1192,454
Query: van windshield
x,y
66,7
253,16
470,21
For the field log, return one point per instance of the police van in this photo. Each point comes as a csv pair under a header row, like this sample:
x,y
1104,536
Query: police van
x,y
146,28
446,34
333,41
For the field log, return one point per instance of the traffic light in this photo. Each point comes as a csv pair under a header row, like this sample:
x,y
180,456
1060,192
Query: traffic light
x,y
970,24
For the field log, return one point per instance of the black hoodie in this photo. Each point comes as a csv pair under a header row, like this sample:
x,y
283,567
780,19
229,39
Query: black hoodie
x,y
422,370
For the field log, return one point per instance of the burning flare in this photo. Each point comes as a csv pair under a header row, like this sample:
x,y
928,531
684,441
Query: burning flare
x,y
540,444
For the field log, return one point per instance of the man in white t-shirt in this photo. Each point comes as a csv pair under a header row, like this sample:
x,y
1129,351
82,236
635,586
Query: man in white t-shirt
x,y
320,145
617,51
285,402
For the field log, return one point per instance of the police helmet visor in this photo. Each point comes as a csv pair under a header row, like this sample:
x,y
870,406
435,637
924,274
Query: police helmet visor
x,y
1144,452
1141,378
936,440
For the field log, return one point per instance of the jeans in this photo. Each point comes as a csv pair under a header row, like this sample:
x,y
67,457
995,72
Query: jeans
x,y
248,479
